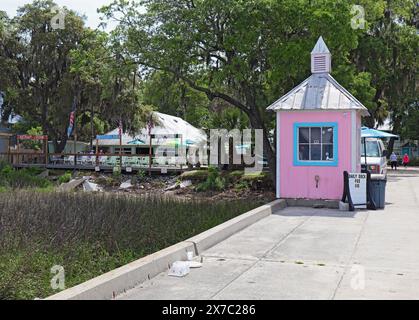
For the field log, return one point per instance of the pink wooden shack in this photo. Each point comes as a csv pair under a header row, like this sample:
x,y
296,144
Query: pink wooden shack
x,y
318,134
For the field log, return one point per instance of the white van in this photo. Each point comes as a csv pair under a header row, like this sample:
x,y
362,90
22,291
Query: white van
x,y
376,156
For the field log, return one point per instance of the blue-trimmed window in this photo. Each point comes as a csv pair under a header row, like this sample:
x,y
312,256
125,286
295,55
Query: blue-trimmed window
x,y
316,144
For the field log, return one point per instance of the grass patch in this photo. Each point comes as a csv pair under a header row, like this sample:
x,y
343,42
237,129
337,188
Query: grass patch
x,y
90,234
254,181
196,175
21,179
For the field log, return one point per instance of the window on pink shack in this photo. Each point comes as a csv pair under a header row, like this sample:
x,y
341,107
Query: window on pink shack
x,y
316,144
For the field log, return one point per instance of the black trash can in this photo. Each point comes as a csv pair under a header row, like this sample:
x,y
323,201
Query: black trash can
x,y
378,191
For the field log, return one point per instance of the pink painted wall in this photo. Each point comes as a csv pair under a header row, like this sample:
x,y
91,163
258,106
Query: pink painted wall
x,y
358,137
299,182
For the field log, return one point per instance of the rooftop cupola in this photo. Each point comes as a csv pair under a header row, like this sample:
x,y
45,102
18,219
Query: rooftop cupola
x,y
321,59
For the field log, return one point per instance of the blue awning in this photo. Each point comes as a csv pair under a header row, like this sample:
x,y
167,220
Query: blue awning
x,y
373,133
107,137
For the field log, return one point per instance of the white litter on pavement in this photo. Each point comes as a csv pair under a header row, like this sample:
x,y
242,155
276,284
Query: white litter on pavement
x,y
179,269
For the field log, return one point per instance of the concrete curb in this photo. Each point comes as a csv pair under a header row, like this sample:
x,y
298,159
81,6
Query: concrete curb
x,y
219,233
109,285
115,282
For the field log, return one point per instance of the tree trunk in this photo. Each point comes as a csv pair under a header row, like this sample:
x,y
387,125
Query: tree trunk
x,y
92,133
396,128
60,146
390,147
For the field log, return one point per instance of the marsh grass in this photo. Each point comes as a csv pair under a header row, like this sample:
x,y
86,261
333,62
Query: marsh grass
x,y
91,234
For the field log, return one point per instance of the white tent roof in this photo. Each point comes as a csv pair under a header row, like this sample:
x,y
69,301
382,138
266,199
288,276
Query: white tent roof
x,y
320,91
169,125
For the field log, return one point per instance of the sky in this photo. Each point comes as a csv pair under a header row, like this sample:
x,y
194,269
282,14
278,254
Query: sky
x,y
83,7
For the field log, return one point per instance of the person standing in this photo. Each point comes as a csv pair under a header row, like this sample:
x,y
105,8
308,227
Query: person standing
x,y
406,160
393,160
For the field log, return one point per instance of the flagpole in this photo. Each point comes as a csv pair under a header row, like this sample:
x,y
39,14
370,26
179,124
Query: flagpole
x,y
75,145
150,152
120,144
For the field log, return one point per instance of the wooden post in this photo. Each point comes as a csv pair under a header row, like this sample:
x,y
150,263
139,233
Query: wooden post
x,y
120,149
46,151
150,151
181,148
97,151
9,158
18,152
75,146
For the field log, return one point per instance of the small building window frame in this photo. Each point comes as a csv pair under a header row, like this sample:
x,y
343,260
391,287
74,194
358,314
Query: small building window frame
x,y
316,163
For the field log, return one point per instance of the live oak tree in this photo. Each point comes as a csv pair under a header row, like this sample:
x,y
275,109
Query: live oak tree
x,y
40,86
46,69
111,87
173,96
8,77
246,53
388,50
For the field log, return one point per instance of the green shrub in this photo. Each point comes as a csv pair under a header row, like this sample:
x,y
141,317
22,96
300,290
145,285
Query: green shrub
x,y
214,181
117,172
414,162
6,170
141,174
65,178
3,164
25,178
241,185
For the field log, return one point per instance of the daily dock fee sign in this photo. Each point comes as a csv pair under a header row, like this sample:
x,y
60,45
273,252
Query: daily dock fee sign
x,y
358,189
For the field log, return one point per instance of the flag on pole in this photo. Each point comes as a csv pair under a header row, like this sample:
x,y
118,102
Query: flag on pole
x,y
72,118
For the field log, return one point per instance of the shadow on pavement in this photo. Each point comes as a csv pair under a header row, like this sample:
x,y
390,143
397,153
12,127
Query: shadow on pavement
x,y
307,212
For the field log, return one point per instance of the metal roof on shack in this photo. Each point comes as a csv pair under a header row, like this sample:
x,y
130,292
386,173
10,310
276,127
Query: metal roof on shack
x,y
319,92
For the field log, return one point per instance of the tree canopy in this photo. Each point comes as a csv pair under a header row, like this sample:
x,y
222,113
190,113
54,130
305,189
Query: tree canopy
x,y
248,53
47,69
212,62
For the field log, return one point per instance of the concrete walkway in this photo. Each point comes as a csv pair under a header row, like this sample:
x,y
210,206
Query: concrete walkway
x,y
304,253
